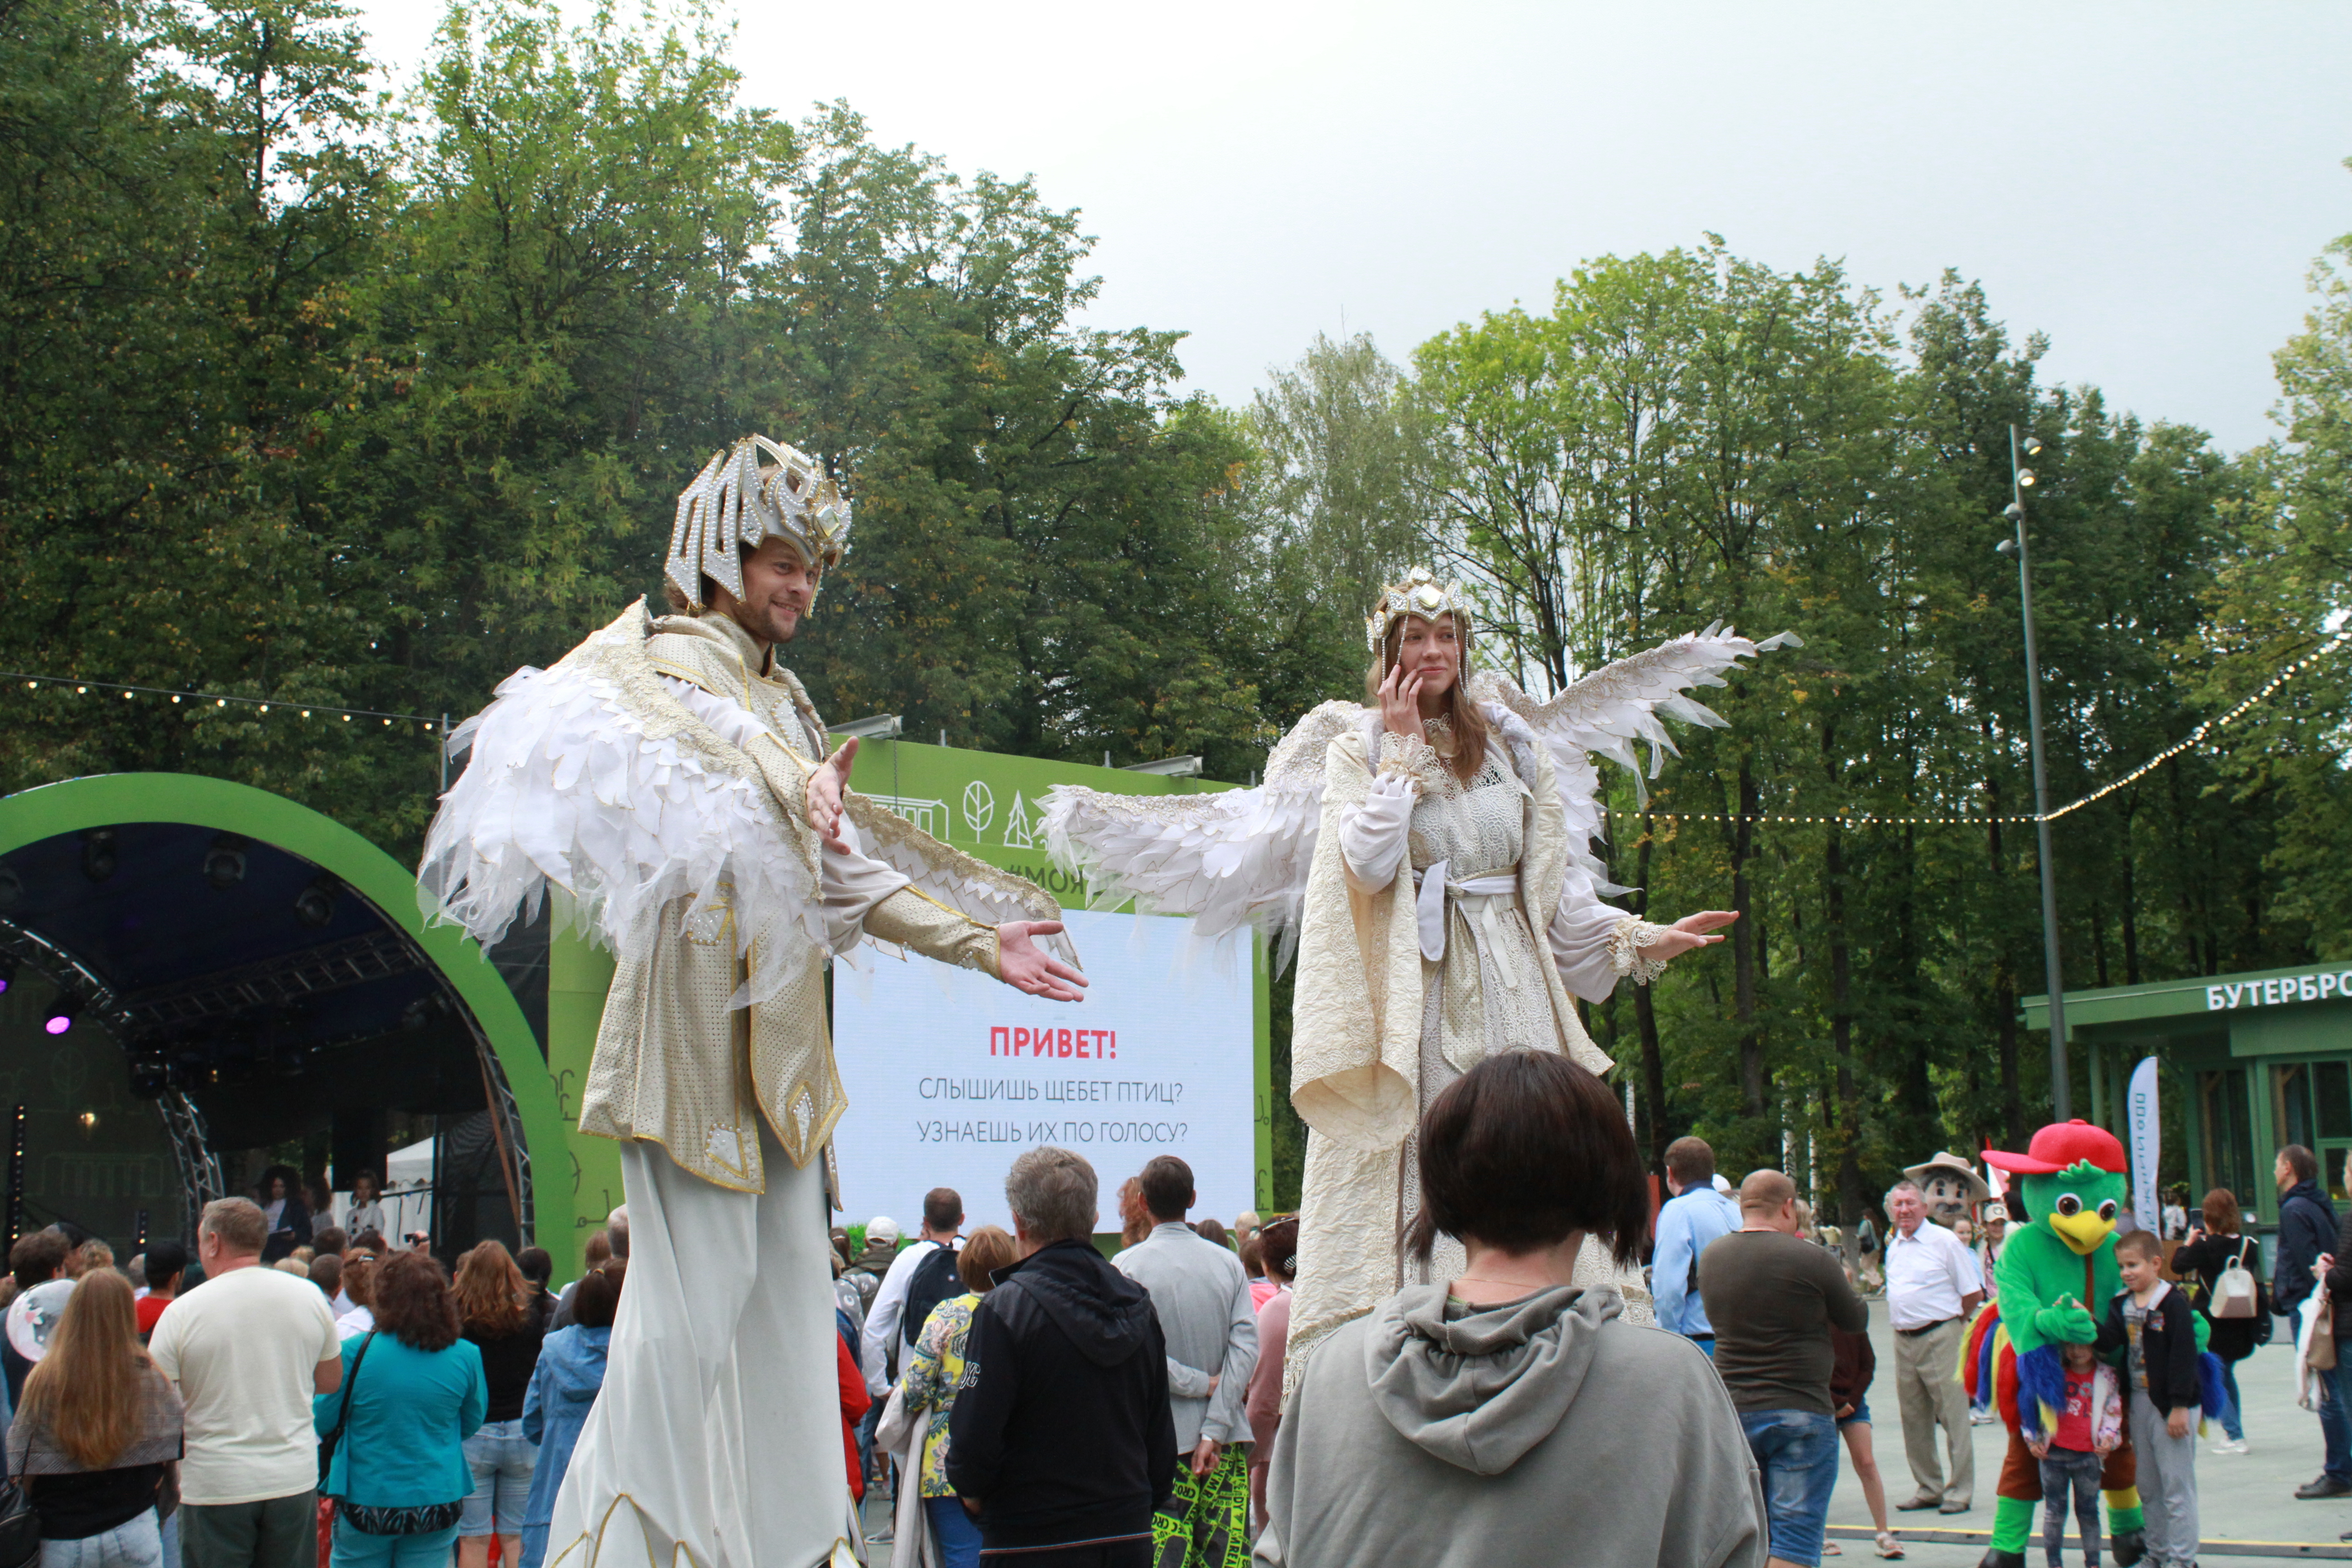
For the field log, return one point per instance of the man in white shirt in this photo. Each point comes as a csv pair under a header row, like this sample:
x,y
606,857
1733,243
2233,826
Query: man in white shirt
x,y
248,1350
879,1347
1933,1289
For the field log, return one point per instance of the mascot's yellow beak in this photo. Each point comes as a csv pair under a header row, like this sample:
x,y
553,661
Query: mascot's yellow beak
x,y
2083,1231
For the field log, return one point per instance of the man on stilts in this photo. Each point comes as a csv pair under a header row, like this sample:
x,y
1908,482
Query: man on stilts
x,y
669,777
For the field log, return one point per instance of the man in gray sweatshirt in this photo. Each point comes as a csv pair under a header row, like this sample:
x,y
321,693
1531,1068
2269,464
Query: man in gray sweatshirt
x,y
1202,1299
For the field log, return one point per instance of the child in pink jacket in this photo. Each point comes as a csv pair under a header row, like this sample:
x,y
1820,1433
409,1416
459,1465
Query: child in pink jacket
x,y
2072,1452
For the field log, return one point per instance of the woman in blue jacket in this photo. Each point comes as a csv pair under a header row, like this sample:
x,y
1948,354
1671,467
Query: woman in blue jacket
x,y
415,1392
562,1391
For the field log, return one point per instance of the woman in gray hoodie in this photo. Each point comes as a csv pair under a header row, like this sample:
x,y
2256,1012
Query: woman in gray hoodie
x,y
1509,1416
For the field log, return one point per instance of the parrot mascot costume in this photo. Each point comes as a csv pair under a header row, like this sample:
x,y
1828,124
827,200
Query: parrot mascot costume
x,y
2056,1273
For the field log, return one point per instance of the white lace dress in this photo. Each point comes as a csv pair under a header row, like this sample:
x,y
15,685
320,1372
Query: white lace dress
x,y
1485,993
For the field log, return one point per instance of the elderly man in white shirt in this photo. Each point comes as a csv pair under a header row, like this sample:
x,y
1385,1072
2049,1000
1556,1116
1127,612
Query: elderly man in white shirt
x,y
1933,1287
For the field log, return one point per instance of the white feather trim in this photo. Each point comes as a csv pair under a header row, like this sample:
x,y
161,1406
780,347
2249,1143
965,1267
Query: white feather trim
x,y
587,778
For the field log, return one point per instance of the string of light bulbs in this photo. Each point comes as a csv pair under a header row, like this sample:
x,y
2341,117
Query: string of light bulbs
x,y
221,699
2195,738
1870,819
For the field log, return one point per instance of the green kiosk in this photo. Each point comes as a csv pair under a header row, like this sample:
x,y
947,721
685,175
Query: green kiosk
x,y
2253,1062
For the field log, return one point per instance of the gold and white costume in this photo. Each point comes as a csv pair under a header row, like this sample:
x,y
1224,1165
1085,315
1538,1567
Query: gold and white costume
x,y
658,775
1437,923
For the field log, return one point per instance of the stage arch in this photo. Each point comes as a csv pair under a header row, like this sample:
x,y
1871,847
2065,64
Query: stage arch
x,y
255,962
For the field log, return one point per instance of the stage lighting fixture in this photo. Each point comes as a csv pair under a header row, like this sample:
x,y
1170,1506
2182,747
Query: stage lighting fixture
x,y
2025,478
315,905
149,1079
61,1016
224,862
97,852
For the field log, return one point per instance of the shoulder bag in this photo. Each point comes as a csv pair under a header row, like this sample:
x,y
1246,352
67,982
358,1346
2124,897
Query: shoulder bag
x,y
327,1444
20,1527
376,1519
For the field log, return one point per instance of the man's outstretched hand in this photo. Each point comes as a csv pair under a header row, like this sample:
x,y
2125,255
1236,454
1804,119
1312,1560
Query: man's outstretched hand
x,y
1688,932
1024,965
825,787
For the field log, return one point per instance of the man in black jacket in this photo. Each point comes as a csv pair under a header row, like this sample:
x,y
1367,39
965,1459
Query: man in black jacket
x,y
1062,1443
2306,1231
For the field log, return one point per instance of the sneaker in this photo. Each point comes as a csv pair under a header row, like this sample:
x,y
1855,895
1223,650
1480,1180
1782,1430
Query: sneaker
x,y
1980,1417
2231,1446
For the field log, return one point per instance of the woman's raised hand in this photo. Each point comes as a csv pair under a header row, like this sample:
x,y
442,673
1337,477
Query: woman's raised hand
x,y
1401,703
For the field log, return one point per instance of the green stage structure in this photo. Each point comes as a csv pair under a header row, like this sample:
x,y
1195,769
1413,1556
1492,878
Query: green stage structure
x,y
96,923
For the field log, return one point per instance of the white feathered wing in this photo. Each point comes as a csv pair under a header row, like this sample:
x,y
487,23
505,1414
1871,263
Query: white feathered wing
x,y
1241,856
590,778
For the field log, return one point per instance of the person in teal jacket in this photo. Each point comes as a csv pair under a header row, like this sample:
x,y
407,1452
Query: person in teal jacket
x,y
564,1389
415,1393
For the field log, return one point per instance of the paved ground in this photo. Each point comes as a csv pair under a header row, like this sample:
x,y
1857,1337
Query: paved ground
x,y
2245,1498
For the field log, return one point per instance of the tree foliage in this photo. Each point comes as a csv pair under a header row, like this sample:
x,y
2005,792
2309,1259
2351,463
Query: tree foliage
x,y
1694,436
340,399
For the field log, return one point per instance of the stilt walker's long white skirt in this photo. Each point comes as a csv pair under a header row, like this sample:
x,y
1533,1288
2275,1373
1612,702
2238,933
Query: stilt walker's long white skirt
x,y
717,1440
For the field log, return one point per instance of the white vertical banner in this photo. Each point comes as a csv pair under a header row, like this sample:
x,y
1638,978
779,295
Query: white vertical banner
x,y
2140,1119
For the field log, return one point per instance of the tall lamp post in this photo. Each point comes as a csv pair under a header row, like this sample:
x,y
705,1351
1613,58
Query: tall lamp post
x,y
2021,480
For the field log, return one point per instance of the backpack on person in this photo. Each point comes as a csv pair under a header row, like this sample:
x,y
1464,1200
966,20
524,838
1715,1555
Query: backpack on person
x,y
2236,1293
935,1280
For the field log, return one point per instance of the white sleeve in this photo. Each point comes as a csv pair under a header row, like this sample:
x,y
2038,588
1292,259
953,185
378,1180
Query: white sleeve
x,y
1597,945
1373,836
853,882
737,725
1187,1382
882,1320
1582,933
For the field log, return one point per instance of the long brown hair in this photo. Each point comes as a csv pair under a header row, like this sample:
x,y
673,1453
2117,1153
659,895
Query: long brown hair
x,y
87,1386
490,1291
1468,720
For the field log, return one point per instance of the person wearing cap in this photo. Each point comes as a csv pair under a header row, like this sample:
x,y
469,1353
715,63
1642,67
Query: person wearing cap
x,y
1992,1226
1933,1287
1950,1186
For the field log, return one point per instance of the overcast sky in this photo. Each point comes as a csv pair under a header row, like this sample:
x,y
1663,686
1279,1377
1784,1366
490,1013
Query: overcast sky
x,y
2148,183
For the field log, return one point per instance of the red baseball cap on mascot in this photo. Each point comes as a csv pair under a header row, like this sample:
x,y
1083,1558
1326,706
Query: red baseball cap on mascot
x,y
2058,1147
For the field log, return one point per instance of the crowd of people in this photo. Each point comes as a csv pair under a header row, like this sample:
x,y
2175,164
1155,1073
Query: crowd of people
x,y
1019,1392
346,1401
1431,1429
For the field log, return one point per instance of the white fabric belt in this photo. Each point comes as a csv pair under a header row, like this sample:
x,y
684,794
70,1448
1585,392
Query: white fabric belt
x,y
1482,899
